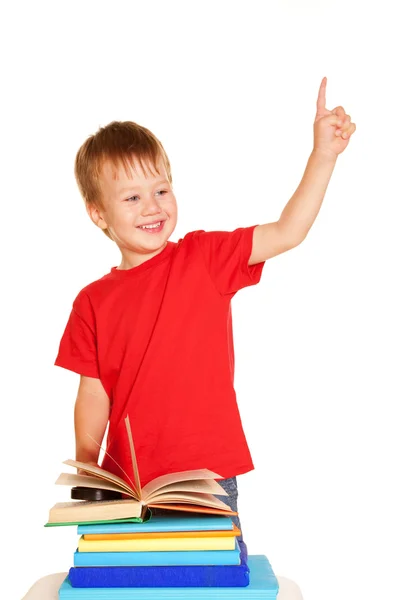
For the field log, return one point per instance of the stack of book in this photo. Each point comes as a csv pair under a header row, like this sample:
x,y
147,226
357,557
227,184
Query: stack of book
x,y
170,535
174,550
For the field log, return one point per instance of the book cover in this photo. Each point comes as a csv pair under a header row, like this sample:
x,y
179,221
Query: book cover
x,y
166,522
156,559
93,523
186,544
263,585
157,535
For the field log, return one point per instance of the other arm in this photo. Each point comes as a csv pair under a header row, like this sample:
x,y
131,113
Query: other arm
x,y
92,408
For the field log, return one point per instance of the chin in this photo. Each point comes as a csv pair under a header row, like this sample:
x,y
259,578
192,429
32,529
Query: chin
x,y
157,242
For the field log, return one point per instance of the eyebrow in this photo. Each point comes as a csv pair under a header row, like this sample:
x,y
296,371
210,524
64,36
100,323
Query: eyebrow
x,y
135,187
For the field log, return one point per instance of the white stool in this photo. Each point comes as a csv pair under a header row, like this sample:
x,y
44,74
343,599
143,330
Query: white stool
x,y
47,588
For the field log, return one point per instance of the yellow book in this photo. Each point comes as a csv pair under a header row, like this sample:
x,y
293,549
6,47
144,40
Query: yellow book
x,y
149,535
157,545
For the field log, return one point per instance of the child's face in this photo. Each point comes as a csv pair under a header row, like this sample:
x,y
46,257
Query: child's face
x,y
132,202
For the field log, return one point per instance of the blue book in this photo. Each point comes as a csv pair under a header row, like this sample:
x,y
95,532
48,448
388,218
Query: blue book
x,y
157,559
164,523
263,586
179,576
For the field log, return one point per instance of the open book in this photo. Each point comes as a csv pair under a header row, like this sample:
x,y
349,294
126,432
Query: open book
x,y
190,491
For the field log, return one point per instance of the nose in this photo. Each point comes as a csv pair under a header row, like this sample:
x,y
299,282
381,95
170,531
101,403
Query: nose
x,y
151,207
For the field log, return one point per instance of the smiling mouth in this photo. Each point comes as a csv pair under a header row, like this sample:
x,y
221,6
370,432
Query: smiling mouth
x,y
153,227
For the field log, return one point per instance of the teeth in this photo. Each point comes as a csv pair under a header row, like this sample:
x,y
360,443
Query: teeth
x,y
154,226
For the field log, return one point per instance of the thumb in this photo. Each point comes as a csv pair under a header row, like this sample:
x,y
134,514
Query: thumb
x,y
332,119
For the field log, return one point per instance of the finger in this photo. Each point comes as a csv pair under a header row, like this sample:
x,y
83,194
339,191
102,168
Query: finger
x,y
340,112
346,122
345,127
334,120
347,134
321,100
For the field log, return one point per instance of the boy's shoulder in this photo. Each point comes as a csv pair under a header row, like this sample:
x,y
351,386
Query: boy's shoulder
x,y
93,291
109,280
187,244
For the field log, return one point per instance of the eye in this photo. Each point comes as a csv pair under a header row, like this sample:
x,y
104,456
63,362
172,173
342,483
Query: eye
x,y
136,198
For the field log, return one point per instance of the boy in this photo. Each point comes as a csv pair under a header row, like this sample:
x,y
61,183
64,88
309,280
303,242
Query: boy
x,y
153,337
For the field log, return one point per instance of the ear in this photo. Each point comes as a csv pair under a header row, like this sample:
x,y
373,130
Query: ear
x,y
97,216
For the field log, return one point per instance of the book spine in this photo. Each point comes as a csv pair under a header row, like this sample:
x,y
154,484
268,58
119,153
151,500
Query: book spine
x,y
207,557
157,524
157,545
180,576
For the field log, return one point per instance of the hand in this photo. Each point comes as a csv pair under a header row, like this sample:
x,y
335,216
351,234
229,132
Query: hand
x,y
332,128
83,472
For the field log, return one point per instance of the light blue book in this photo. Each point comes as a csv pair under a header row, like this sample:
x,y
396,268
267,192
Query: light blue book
x,y
263,586
179,576
157,559
164,523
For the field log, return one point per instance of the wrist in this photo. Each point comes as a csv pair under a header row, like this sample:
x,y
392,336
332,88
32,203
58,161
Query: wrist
x,y
323,155
87,456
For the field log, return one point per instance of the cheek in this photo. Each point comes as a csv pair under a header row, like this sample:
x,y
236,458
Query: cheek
x,y
124,215
172,207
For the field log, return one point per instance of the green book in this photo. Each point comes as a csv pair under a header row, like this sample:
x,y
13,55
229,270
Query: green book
x,y
131,520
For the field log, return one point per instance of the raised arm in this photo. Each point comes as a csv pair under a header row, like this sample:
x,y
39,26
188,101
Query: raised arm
x,y
332,132
92,408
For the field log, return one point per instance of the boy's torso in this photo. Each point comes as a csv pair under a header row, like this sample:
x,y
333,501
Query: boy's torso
x,y
164,352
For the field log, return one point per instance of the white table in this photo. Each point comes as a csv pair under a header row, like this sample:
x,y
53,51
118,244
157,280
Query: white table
x,y
47,588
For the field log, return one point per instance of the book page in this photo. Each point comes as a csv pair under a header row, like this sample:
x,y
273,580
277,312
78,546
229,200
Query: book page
x,y
190,498
94,510
202,486
103,474
163,480
133,458
74,479
192,508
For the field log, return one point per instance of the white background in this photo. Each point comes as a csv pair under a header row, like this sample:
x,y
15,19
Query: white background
x,y
230,90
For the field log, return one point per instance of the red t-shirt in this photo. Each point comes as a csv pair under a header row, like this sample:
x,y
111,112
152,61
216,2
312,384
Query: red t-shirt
x,y
159,337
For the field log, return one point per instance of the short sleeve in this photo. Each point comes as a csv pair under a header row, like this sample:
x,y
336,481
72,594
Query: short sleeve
x,y
78,346
226,255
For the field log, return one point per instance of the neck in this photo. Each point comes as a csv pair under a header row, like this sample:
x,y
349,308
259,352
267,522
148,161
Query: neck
x,y
131,259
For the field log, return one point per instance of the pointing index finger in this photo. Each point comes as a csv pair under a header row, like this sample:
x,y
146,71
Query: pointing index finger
x,y
321,101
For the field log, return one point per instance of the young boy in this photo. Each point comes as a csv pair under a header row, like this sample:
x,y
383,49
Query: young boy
x,y
153,337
